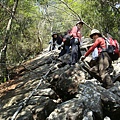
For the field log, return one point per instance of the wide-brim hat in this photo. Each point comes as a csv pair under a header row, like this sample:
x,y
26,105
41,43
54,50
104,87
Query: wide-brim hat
x,y
95,31
80,22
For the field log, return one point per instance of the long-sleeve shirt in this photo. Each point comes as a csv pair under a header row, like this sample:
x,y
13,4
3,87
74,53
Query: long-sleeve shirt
x,y
99,43
75,32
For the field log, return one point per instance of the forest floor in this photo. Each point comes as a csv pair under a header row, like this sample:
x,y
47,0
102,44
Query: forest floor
x,y
7,86
11,84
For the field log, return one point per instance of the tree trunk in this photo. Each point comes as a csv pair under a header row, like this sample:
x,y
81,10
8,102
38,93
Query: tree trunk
x,y
3,59
39,38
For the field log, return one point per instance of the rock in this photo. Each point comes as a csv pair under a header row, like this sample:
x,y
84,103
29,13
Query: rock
x,y
25,115
65,93
107,118
43,109
89,116
69,110
91,99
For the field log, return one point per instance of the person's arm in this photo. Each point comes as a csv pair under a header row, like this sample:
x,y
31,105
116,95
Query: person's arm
x,y
96,43
51,41
74,32
91,49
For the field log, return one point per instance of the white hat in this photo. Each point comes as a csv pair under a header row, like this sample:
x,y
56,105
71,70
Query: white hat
x,y
95,31
80,22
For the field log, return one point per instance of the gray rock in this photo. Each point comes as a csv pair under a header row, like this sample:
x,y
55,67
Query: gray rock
x,y
65,93
69,110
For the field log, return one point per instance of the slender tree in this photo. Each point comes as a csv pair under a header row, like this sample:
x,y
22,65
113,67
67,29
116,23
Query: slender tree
x,y
4,49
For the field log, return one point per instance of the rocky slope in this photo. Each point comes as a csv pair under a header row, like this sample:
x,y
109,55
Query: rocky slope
x,y
48,89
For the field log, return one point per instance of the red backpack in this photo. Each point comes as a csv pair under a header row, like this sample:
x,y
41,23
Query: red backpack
x,y
112,47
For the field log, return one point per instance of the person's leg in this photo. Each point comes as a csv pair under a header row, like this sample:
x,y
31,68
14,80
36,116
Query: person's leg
x,y
93,72
63,51
104,63
53,46
67,49
79,52
93,62
99,71
74,54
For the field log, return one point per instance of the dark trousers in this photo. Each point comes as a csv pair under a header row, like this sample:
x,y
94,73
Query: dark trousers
x,y
75,54
65,50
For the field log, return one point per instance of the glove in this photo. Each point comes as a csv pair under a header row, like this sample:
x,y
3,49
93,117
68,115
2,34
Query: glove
x,y
82,58
76,41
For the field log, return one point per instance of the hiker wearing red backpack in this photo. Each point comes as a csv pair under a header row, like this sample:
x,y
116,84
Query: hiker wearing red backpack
x,y
103,62
75,42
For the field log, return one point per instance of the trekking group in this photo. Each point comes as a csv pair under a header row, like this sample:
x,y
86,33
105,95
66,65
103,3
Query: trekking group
x,y
104,50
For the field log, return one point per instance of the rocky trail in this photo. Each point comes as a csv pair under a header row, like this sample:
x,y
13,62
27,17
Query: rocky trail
x,y
46,88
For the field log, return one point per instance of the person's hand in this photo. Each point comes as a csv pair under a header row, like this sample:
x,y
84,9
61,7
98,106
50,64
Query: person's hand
x,y
82,58
76,41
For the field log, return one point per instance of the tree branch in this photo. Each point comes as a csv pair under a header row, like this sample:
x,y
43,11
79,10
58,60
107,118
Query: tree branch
x,y
9,11
62,10
78,16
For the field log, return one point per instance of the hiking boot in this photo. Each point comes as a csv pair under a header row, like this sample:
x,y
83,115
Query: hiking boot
x,y
107,83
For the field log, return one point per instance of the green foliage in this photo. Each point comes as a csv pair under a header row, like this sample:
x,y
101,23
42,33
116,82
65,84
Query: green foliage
x,y
43,2
35,21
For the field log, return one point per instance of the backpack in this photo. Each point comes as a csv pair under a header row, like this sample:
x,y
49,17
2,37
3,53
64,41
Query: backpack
x,y
112,48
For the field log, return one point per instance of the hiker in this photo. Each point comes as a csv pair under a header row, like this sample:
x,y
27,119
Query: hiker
x,y
75,42
56,40
66,44
103,62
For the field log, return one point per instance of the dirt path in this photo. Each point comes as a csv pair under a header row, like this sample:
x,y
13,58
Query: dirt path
x,y
7,86
11,84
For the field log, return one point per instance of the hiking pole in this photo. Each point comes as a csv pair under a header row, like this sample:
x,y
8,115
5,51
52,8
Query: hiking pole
x,y
27,99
